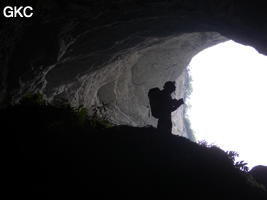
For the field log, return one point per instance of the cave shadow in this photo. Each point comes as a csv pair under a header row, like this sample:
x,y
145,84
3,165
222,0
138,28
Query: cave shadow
x,y
50,155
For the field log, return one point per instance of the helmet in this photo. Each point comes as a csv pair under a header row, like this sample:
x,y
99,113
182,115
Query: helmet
x,y
170,86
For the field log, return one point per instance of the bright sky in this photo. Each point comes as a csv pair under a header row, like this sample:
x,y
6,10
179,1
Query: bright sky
x,y
229,100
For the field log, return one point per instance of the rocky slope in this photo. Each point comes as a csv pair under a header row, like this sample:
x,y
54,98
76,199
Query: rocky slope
x,y
55,153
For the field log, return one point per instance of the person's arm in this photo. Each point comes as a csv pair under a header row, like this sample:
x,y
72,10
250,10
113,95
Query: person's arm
x,y
180,102
177,103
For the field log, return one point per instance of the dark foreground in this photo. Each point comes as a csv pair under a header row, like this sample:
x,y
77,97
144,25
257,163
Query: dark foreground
x,y
54,153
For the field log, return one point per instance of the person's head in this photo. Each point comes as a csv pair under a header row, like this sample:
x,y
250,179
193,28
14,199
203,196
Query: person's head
x,y
169,86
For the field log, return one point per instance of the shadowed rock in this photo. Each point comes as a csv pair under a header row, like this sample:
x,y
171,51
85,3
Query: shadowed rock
x,y
260,174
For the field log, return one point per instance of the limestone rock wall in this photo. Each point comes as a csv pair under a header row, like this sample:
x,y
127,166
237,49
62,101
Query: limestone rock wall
x,y
119,87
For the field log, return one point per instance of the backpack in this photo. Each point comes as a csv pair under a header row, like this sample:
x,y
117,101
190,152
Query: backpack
x,y
154,96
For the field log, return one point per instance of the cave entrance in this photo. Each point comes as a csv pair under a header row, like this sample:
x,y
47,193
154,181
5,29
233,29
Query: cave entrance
x,y
227,104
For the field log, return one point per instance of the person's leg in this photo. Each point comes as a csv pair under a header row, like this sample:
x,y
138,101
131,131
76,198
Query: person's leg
x,y
165,125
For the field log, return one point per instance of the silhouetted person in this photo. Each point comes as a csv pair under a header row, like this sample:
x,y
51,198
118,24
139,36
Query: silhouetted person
x,y
162,105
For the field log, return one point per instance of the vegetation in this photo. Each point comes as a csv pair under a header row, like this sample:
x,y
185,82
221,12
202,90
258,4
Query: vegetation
x,y
188,91
36,99
98,119
76,116
238,164
232,155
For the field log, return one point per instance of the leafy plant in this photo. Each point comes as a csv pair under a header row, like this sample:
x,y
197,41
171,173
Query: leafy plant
x,y
98,119
82,114
232,155
204,143
32,99
77,117
238,164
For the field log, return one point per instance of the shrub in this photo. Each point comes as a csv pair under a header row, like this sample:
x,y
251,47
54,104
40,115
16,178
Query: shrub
x,y
238,164
232,155
77,117
33,99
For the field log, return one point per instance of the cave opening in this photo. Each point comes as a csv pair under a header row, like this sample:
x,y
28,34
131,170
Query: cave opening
x,y
226,100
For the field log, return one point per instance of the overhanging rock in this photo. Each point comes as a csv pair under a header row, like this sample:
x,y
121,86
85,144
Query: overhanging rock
x,y
119,86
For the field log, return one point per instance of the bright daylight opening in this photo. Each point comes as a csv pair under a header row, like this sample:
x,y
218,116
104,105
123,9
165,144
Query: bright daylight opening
x,y
228,103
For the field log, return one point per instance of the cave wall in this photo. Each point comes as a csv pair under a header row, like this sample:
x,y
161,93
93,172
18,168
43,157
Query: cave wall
x,y
123,83
111,52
